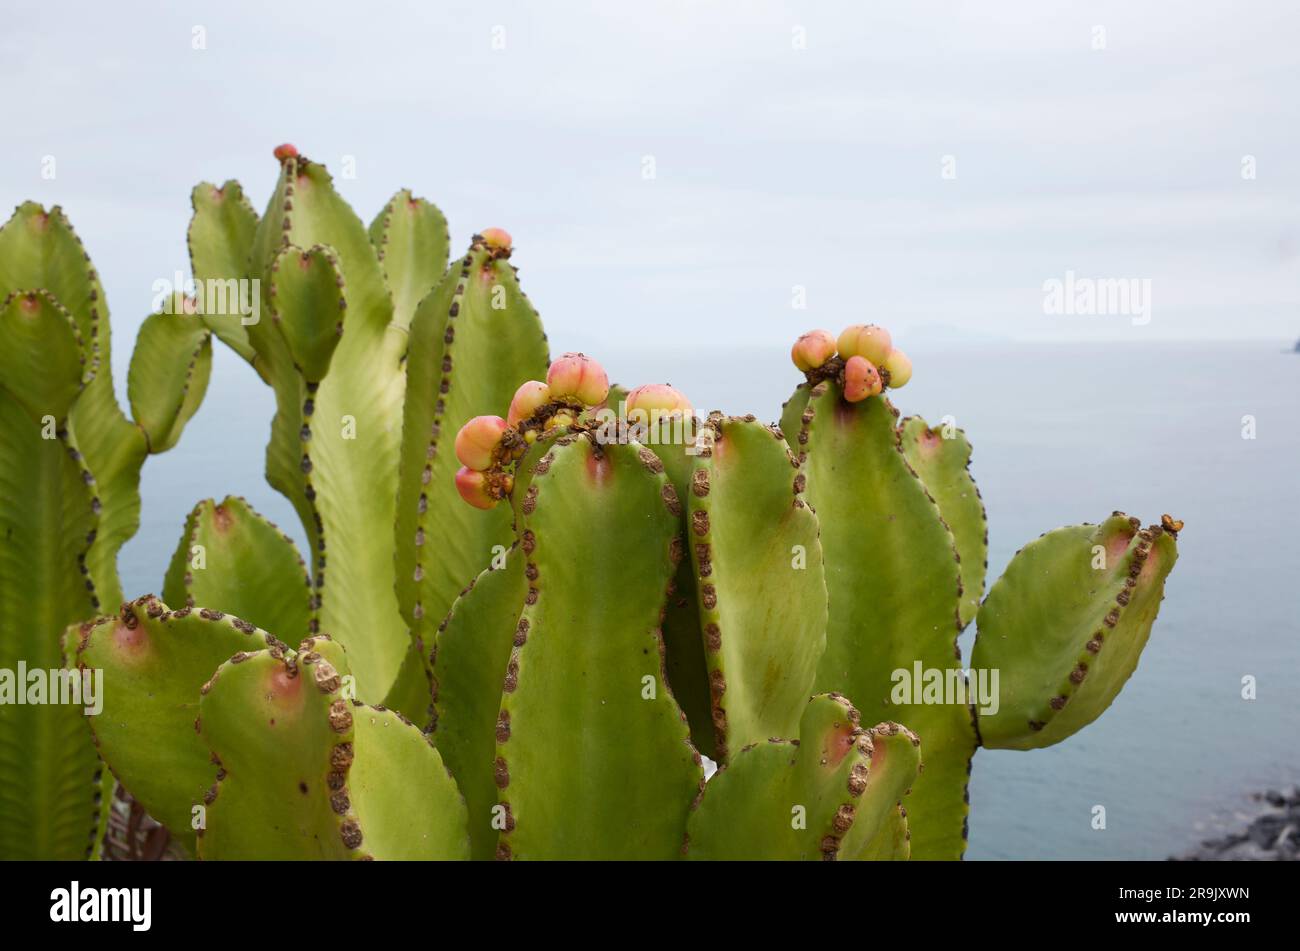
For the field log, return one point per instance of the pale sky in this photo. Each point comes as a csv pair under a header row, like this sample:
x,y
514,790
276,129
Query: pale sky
x,y
793,144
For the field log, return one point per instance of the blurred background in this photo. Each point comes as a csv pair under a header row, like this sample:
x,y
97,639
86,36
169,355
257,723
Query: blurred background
x,y
691,185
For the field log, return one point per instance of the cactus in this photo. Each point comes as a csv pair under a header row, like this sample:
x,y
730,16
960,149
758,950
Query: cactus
x,y
71,478
356,316
904,538
630,588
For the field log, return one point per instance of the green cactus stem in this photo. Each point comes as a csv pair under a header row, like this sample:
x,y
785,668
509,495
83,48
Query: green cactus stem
x,y
894,584
155,661
1066,624
474,339
231,556
759,582
835,794
303,772
594,758
467,666
940,456
70,500
331,340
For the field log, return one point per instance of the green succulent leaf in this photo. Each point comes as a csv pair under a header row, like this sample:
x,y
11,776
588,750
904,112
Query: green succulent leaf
x,y
168,376
762,604
410,236
836,794
42,359
232,559
220,240
155,662
39,249
593,754
306,773
474,339
942,460
892,577
469,661
308,298
1065,626
334,445
49,773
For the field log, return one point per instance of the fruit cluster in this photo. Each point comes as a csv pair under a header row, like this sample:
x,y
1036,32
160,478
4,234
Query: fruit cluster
x,y
863,359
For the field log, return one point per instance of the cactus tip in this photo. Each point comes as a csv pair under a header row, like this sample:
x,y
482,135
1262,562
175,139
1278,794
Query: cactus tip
x,y
285,151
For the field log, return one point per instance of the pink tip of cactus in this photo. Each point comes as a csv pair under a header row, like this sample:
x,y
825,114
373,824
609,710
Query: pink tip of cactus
x,y
865,340
899,368
285,151
813,349
861,379
658,396
473,488
579,376
498,239
478,440
531,396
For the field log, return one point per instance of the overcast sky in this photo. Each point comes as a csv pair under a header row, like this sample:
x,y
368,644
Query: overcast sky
x,y
793,145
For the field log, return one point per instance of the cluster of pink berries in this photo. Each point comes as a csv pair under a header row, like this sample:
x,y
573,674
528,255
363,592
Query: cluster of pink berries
x,y
870,360
486,444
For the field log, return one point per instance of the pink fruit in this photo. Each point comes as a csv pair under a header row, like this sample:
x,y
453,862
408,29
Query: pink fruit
x,y
528,399
477,441
579,376
658,396
865,340
285,151
899,368
498,239
861,379
813,349
473,488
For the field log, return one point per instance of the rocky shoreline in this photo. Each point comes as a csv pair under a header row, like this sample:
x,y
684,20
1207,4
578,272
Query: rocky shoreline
x,y
1271,836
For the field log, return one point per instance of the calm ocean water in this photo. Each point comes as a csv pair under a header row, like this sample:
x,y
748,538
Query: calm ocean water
x,y
1062,434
